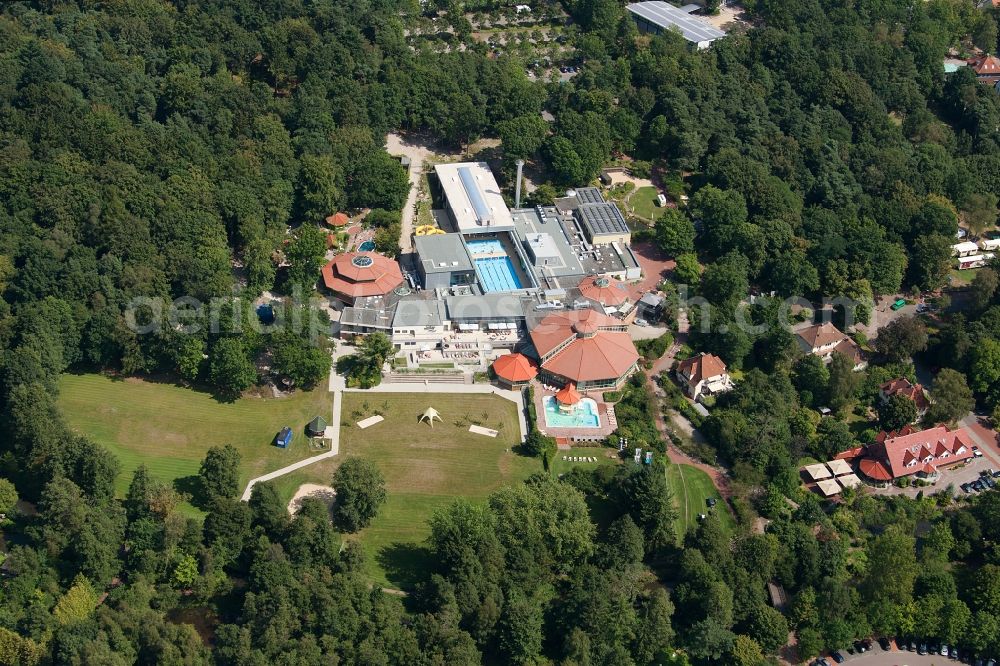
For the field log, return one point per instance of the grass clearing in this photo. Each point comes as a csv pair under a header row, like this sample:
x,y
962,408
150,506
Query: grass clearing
x,y
643,203
427,468
169,428
560,466
691,487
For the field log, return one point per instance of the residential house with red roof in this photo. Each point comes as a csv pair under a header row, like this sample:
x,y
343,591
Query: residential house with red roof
x,y
703,374
826,339
907,452
987,69
904,387
586,347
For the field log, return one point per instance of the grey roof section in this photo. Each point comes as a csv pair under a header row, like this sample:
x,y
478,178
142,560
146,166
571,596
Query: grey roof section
x,y
545,220
475,196
603,218
499,305
414,311
589,195
442,253
651,299
667,16
365,317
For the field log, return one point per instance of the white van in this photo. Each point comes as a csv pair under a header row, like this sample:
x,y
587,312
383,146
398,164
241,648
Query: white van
x,y
661,200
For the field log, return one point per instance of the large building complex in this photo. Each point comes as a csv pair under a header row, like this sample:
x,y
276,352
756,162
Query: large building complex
x,y
547,283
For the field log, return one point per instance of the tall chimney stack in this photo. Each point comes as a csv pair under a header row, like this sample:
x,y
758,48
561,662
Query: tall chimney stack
x,y
517,187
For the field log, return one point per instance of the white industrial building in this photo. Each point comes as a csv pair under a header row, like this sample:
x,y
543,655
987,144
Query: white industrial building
x,y
475,201
658,17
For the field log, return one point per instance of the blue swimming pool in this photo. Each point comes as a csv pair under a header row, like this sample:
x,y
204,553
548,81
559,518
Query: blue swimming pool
x,y
582,415
485,246
497,274
367,246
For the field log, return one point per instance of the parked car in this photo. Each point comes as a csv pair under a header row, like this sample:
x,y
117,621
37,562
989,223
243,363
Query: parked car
x,y
965,487
923,307
885,643
912,646
922,648
944,651
860,647
996,475
976,453
837,657
990,482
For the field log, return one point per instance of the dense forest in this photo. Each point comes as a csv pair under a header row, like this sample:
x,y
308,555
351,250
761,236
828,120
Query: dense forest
x,y
153,149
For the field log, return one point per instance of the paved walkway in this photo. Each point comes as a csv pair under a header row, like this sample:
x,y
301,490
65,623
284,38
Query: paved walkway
x,y
675,455
334,450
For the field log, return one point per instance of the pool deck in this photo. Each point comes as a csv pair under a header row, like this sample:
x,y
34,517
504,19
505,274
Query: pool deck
x,y
608,424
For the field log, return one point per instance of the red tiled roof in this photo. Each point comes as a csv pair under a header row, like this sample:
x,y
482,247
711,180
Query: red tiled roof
x,y
850,349
605,290
914,392
358,274
987,66
568,395
338,220
875,470
605,356
557,327
820,335
515,368
849,454
591,346
904,453
702,366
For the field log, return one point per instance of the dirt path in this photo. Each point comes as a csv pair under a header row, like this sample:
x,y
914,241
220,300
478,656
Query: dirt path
x,y
418,153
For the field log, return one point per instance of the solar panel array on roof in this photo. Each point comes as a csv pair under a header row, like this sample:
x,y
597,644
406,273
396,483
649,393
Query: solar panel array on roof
x,y
666,16
602,219
483,213
589,195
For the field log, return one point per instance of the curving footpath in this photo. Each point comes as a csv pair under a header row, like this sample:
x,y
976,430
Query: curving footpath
x,y
338,388
334,450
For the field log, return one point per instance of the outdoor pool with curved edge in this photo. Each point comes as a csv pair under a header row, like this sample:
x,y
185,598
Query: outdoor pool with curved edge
x,y
367,246
584,414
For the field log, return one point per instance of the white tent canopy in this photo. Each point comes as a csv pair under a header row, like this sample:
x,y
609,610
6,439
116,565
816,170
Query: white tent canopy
x,y
429,415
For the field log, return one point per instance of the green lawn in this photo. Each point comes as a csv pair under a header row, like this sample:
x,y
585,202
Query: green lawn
x,y
169,428
691,487
643,202
964,277
427,468
560,466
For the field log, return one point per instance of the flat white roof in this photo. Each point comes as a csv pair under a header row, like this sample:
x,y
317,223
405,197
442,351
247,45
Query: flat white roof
x,y
667,16
839,467
473,196
849,480
818,471
828,487
965,246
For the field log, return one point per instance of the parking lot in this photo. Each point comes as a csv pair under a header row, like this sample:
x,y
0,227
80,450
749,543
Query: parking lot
x,y
967,473
879,657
